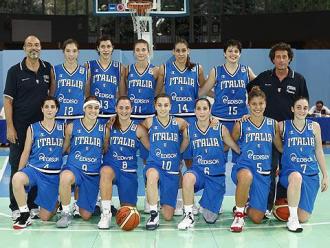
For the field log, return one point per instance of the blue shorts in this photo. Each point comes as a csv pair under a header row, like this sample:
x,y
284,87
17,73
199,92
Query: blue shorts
x,y
88,188
168,185
188,153
47,185
309,188
127,184
214,189
259,189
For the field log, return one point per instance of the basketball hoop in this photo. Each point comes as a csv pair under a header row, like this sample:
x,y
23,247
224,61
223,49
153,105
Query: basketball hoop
x,y
140,12
141,7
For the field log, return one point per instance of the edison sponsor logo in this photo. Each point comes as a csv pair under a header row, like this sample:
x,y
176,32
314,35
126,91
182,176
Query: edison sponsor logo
x,y
251,155
61,98
202,161
44,158
295,158
177,98
99,94
226,100
161,155
119,157
81,158
138,100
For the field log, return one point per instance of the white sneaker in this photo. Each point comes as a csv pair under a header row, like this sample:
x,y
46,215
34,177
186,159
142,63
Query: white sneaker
x,y
75,210
178,207
15,215
105,221
34,213
195,209
187,222
146,206
153,221
293,225
64,221
238,223
268,214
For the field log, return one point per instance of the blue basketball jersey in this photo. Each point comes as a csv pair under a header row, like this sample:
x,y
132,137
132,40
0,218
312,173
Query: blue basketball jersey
x,y
141,90
165,145
70,90
182,87
47,148
256,146
123,148
86,147
105,84
299,149
230,101
208,149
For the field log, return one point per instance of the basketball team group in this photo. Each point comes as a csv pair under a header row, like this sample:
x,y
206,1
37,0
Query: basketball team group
x,y
80,129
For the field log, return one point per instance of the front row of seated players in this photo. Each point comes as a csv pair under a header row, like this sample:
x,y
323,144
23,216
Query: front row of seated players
x,y
42,158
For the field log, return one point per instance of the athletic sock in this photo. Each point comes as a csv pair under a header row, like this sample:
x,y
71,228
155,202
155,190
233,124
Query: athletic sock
x,y
240,209
188,208
24,209
153,208
66,208
106,205
293,212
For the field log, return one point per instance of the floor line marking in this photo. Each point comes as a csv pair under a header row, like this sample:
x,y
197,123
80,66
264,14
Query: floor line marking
x,y
160,229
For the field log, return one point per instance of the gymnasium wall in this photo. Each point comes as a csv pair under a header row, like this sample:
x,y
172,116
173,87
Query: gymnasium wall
x,y
313,64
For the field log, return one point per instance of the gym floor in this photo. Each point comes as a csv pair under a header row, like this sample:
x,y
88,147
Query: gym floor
x,y
272,233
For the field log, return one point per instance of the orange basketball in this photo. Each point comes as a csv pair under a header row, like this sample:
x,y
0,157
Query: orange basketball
x,y
281,209
127,218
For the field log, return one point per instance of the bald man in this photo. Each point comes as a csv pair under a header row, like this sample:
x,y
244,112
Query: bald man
x,y
27,84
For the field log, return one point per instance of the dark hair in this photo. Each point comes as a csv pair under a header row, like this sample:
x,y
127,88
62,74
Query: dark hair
x,y
189,64
280,47
100,39
161,95
319,102
50,98
256,92
299,98
141,41
233,43
69,41
116,123
91,98
203,99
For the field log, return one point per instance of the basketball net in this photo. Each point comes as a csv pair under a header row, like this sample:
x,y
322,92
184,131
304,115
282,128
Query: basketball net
x,y
142,21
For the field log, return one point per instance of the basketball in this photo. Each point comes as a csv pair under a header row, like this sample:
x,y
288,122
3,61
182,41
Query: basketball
x,y
281,209
127,218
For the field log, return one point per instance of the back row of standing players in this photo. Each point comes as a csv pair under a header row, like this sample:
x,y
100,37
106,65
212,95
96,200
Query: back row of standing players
x,y
182,80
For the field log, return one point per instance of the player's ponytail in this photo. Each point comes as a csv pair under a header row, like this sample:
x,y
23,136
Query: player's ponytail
x,y
256,92
189,64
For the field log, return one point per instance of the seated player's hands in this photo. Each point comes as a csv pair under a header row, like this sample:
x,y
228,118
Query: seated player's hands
x,y
245,117
213,122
